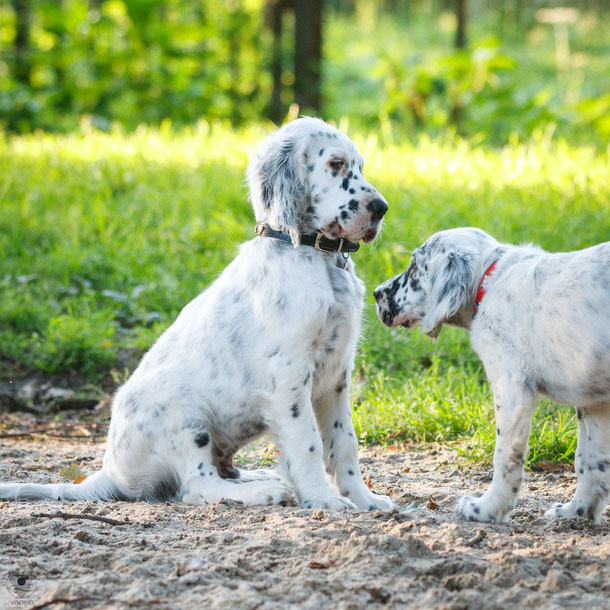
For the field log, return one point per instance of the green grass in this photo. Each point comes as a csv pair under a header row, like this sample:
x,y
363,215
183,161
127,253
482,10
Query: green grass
x,y
104,237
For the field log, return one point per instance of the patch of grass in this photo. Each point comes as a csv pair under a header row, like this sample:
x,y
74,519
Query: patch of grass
x,y
105,237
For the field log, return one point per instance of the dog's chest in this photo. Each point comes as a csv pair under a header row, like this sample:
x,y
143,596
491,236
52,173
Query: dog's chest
x,y
333,347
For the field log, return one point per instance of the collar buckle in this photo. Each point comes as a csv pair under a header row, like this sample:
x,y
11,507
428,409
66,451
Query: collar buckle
x,y
317,246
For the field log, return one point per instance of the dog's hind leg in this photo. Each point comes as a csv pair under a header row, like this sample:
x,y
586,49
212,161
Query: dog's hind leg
x,y
203,484
592,466
261,474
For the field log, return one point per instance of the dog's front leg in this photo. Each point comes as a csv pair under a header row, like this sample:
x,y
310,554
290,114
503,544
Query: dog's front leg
x,y
296,431
341,448
514,408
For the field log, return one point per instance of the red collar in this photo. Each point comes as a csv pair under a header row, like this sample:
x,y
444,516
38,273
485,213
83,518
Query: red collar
x,y
482,284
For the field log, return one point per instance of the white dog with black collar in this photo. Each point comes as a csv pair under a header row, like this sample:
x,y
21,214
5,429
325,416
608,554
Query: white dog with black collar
x,y
269,346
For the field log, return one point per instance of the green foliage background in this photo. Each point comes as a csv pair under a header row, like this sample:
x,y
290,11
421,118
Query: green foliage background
x,y
390,66
122,162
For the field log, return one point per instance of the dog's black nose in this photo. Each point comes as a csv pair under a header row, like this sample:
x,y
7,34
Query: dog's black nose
x,y
377,207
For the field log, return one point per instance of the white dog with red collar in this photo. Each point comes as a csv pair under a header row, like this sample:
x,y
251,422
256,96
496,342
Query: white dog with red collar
x,y
540,323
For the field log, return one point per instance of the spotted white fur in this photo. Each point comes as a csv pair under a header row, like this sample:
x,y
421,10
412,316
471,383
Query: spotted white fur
x,y
543,326
268,347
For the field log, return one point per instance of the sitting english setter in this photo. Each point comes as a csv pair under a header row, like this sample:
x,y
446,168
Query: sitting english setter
x,y
540,323
269,346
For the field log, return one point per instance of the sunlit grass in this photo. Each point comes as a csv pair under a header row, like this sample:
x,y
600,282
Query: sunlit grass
x,y
105,237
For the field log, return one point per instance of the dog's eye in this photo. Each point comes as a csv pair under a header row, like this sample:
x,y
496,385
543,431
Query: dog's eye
x,y
337,164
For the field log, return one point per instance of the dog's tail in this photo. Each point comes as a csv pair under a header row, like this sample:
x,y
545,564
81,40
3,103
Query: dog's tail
x,y
98,486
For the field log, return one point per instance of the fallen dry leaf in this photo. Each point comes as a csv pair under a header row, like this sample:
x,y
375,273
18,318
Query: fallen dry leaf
x,y
549,466
406,470
369,482
432,505
79,480
71,472
320,565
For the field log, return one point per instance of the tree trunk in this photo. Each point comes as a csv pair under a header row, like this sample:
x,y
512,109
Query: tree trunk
x,y
461,12
22,40
276,19
308,54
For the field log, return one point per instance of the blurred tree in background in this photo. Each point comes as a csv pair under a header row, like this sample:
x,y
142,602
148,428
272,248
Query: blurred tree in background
x,y
487,68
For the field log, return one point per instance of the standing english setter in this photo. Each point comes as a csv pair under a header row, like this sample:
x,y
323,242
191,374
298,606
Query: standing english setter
x,y
540,323
269,346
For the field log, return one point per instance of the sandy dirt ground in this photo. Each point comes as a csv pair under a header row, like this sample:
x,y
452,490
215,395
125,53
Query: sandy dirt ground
x,y
233,556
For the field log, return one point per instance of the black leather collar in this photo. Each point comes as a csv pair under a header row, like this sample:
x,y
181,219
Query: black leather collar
x,y
317,240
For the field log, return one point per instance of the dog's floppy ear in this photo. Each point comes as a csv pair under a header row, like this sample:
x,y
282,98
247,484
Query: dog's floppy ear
x,y
278,183
450,287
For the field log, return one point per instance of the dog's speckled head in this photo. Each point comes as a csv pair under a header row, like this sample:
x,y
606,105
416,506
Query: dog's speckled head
x,y
439,281
308,177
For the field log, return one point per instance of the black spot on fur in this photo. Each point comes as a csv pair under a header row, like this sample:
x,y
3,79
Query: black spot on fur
x,y
353,205
580,511
350,472
345,184
131,407
202,439
321,152
352,191
344,215
312,449
295,410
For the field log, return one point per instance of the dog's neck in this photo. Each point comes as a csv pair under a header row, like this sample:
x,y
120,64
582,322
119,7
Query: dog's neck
x,y
464,316
316,240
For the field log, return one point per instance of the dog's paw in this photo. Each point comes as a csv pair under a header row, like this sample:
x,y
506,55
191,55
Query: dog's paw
x,y
572,509
328,503
480,509
373,501
273,492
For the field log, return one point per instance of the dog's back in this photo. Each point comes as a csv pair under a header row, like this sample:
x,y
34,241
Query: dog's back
x,y
553,311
